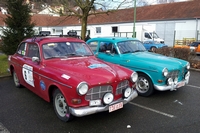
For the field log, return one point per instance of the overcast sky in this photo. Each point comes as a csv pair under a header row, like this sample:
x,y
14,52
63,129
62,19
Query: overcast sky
x,y
112,4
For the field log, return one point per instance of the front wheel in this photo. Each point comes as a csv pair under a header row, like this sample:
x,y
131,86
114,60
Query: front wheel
x,y
144,85
16,79
153,49
60,106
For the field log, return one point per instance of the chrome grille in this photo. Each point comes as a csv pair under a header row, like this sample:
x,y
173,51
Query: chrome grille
x,y
173,74
122,85
98,92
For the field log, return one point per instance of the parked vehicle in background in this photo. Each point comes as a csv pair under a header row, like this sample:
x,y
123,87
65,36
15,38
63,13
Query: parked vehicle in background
x,y
152,45
155,72
64,70
195,46
143,32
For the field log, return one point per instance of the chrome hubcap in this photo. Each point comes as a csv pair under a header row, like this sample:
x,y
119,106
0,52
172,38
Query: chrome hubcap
x,y
61,105
142,85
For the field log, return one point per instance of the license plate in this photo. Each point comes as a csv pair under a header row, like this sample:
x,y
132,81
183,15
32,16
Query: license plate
x,y
115,107
180,84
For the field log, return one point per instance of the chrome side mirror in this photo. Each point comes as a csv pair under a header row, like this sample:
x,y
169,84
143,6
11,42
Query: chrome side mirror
x,y
36,59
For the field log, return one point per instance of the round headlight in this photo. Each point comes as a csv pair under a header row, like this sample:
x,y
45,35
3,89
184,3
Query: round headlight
x,y
176,80
169,81
108,98
187,75
165,72
127,92
134,77
82,88
188,66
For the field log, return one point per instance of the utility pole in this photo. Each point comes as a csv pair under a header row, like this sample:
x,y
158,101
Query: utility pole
x,y
134,35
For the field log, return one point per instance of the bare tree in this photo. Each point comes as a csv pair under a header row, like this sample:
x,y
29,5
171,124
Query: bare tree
x,y
84,8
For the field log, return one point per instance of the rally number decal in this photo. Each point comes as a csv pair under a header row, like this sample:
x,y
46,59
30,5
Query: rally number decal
x,y
28,74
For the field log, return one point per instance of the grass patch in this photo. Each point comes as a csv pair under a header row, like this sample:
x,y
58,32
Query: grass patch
x,y
3,65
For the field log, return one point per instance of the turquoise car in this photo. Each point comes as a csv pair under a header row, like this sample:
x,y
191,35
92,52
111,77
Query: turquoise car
x,y
155,71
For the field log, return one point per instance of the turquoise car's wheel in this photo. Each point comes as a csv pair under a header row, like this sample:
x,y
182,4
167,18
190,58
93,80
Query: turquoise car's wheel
x,y
16,79
153,49
60,106
144,85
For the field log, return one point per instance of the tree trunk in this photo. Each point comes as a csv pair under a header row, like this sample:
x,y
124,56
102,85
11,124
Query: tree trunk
x,y
83,27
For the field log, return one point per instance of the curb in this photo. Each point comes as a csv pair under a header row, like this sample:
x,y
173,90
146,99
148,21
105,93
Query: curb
x,y
5,76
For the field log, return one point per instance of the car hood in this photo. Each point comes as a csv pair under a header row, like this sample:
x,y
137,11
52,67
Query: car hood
x,y
154,61
91,70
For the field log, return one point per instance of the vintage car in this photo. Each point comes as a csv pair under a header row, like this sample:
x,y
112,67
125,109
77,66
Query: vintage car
x,y
153,45
64,70
193,46
154,71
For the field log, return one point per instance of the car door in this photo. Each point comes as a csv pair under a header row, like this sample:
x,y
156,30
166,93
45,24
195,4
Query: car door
x,y
147,45
31,69
18,60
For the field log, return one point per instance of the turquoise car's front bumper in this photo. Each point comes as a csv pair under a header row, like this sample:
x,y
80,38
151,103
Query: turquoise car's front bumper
x,y
174,86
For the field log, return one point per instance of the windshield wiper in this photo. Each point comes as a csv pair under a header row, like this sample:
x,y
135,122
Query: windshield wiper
x,y
127,52
52,57
74,54
139,50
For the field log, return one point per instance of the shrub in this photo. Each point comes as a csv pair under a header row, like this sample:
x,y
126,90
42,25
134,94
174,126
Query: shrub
x,y
181,53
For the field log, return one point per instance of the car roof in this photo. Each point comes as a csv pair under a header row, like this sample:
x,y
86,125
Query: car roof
x,y
113,39
47,39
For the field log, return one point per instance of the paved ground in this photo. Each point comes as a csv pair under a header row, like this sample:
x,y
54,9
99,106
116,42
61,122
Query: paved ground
x,y
164,112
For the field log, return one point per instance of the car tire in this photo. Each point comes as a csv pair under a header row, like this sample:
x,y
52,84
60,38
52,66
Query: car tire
x,y
153,49
16,79
61,107
144,85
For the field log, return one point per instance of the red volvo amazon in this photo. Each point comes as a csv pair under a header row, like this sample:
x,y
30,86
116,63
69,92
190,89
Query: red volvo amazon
x,y
63,70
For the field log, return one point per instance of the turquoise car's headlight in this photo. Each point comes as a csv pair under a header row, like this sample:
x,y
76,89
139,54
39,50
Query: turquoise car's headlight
x,y
165,72
169,81
134,77
82,88
188,66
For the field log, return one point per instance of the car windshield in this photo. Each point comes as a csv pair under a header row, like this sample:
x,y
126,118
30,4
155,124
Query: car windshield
x,y
65,49
130,46
154,35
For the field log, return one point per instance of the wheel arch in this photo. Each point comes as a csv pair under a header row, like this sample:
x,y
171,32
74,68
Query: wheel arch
x,y
51,89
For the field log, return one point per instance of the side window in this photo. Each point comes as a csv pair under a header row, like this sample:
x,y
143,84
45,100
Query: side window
x,y
22,49
93,45
107,46
114,29
33,50
98,29
147,35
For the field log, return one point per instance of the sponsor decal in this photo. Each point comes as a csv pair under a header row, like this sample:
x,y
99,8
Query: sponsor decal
x,y
27,72
93,66
42,85
65,76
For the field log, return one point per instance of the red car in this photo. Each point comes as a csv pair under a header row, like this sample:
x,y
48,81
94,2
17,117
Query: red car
x,y
63,70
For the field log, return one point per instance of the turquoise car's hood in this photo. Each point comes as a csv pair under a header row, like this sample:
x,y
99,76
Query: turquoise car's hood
x,y
153,61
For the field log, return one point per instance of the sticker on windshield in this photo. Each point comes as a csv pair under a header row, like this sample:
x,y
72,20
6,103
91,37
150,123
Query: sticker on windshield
x,y
51,44
97,66
27,72
67,43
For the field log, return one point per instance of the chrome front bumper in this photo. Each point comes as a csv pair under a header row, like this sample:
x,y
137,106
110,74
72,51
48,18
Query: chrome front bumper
x,y
83,111
173,86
